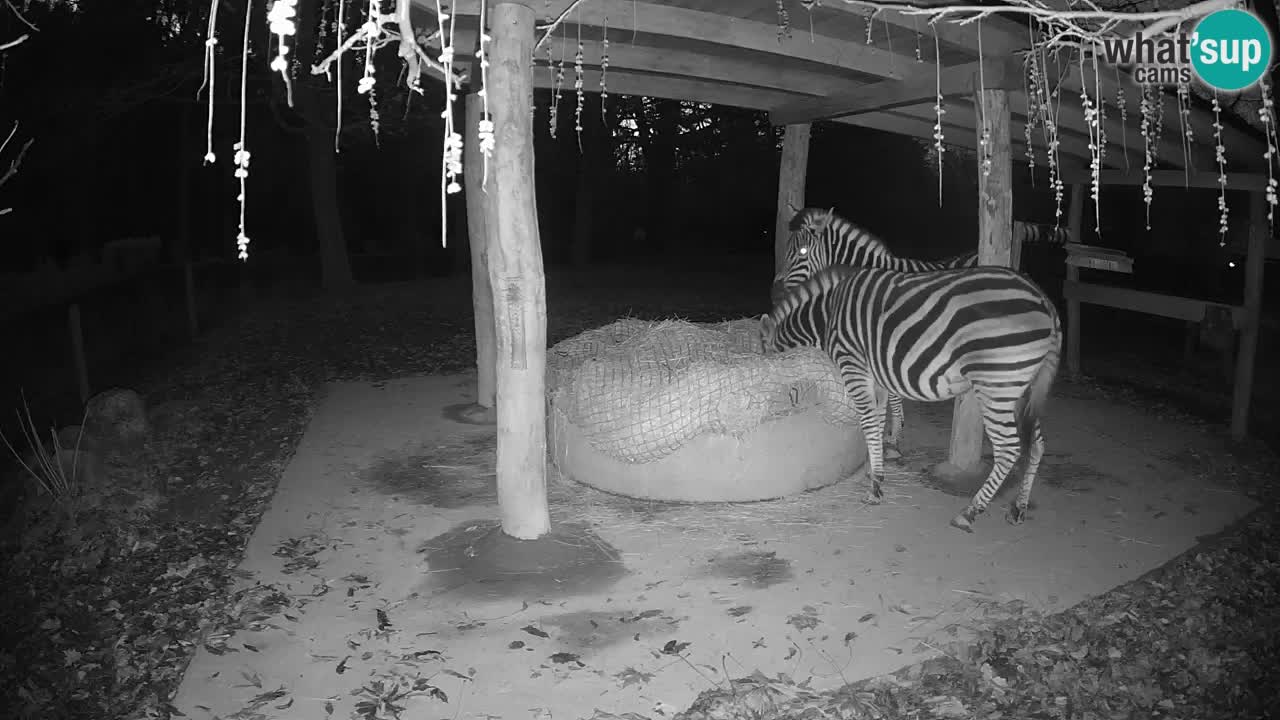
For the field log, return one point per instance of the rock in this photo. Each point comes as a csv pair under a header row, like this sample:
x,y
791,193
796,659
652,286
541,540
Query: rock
x,y
73,437
82,469
118,417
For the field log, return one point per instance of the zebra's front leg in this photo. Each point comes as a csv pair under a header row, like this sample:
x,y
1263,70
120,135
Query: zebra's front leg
x,y
897,420
871,415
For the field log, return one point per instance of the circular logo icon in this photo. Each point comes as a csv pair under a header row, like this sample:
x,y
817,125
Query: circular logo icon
x,y
1232,49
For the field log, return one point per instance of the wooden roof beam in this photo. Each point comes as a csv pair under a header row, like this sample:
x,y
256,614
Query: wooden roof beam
x,y
894,122
1000,35
961,120
670,88
626,17
628,83
686,63
921,86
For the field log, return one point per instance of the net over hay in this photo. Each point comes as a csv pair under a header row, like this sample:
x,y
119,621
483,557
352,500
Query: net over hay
x,y
685,411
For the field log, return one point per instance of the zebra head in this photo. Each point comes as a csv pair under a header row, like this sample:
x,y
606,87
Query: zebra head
x,y
806,251
821,239
798,317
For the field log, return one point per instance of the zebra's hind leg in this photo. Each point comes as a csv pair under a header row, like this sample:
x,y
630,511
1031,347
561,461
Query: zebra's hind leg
x,y
897,420
998,418
1018,510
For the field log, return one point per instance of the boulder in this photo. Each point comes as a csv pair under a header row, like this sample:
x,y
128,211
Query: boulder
x,y
117,417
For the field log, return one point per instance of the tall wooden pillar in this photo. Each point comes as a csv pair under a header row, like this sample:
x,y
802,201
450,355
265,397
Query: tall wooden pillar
x,y
1075,226
1259,229
792,171
517,279
995,247
478,195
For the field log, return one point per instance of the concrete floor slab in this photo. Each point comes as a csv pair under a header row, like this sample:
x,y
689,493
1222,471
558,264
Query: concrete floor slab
x,y
819,585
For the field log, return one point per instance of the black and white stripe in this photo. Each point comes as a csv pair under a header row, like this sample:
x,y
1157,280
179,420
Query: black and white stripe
x,y
821,238
932,336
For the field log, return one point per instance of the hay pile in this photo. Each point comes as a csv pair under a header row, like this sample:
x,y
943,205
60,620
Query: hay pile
x,y
639,390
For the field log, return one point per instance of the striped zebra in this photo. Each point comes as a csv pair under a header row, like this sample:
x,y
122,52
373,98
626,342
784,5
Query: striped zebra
x,y
932,336
821,238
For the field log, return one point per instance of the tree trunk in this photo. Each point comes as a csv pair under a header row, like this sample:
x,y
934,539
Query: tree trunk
x,y
517,279
180,244
591,173
583,217
995,247
322,171
660,172
479,194
793,169
322,166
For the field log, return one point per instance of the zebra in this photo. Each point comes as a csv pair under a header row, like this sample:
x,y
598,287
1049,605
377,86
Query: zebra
x,y
933,336
821,238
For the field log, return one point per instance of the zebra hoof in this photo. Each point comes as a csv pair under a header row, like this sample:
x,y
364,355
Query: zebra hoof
x,y
1016,514
876,494
892,453
963,522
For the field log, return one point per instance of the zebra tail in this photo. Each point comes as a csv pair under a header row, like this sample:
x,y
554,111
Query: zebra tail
x,y
1037,395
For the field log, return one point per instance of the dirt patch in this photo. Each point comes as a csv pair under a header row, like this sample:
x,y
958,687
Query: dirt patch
x,y
1075,477
471,414
755,569
587,630
479,560
454,475
1196,463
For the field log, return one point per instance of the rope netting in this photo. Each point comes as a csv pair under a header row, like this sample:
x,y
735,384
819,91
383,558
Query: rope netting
x,y
639,390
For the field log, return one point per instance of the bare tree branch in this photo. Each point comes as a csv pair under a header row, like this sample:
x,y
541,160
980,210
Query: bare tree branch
x,y
13,166
21,38
18,14
15,42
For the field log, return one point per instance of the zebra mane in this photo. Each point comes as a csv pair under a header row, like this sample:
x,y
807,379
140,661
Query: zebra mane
x,y
812,219
812,289
816,221
867,244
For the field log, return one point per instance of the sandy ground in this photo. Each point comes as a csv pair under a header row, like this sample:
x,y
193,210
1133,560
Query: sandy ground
x,y
388,499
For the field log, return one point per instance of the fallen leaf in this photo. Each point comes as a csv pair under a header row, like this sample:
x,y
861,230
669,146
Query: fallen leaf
x,y
674,648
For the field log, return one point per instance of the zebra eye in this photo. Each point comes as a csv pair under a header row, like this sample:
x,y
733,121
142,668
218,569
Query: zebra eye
x,y
804,251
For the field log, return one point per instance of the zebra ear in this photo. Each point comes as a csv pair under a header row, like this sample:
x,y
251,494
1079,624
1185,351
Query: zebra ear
x,y
828,215
766,324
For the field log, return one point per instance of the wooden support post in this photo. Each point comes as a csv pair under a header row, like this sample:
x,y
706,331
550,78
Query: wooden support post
x,y
516,276
1075,226
479,239
1259,229
995,247
793,168
77,351
1015,249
